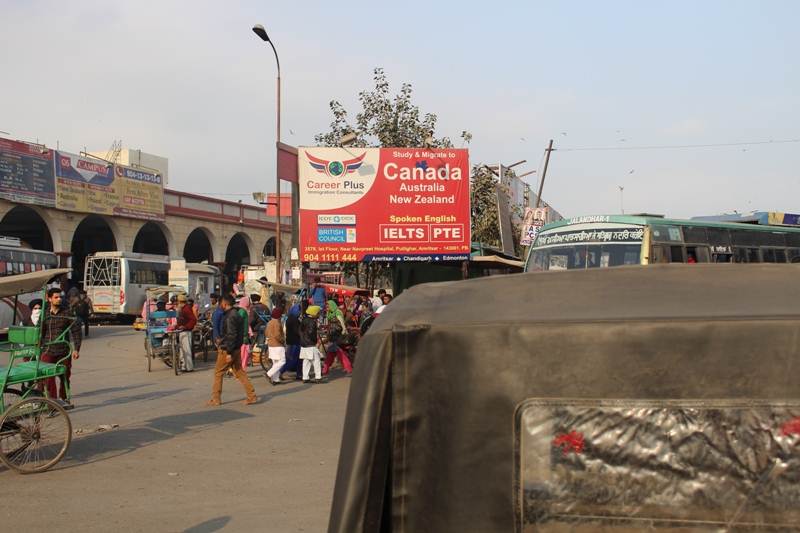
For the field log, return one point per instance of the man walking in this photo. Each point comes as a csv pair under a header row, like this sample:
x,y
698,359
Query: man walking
x,y
276,342
56,344
83,309
185,324
228,355
308,344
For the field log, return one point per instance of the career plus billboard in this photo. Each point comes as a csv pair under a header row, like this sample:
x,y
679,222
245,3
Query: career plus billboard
x,y
384,204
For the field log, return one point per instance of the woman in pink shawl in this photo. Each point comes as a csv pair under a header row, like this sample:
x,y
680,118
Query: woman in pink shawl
x,y
244,310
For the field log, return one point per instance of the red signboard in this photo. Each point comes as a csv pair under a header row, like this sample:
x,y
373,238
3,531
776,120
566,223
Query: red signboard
x,y
384,204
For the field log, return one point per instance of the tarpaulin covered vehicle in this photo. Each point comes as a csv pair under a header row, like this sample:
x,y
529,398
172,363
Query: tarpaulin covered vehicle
x,y
658,397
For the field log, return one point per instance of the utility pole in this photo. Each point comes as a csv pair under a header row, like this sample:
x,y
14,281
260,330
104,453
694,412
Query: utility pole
x,y
549,150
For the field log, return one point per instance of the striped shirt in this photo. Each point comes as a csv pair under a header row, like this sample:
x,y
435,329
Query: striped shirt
x,y
54,325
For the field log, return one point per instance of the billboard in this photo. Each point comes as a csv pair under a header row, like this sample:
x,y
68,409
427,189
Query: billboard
x,y
535,218
26,173
85,184
141,193
90,185
384,204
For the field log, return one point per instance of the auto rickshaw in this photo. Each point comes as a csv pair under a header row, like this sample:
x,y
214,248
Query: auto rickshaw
x,y
657,398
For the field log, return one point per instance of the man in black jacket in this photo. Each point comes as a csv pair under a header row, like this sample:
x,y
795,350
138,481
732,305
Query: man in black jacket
x,y
233,327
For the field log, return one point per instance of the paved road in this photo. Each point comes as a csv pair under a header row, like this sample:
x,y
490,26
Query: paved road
x,y
174,464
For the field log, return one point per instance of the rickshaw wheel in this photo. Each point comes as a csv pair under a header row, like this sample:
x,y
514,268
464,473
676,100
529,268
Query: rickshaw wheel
x,y
11,396
35,434
173,346
148,350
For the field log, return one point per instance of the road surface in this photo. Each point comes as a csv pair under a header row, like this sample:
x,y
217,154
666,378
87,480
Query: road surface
x,y
173,464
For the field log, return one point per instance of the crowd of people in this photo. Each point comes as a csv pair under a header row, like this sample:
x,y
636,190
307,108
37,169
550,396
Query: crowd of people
x,y
291,331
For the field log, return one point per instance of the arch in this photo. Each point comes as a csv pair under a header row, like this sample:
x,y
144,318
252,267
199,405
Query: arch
x,y
154,238
94,234
237,253
269,248
198,246
28,225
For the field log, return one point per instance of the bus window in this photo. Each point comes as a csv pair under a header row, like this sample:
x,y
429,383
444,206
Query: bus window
x,y
659,255
666,233
695,235
718,237
700,253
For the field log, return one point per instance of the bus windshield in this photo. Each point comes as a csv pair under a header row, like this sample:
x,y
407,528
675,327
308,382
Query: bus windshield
x,y
587,246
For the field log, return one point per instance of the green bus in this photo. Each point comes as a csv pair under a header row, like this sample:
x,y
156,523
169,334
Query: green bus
x,y
615,240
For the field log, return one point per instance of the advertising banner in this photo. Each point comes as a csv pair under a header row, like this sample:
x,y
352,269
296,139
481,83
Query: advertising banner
x,y
384,204
141,194
85,184
534,219
26,173
91,185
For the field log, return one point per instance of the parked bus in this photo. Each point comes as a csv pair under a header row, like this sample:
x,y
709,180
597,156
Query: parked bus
x,y
15,258
616,240
116,281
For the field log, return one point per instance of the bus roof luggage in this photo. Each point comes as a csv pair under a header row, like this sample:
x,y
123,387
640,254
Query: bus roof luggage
x,y
592,400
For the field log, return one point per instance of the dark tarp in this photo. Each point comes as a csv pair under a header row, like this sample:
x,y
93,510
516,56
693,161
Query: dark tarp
x,y
476,405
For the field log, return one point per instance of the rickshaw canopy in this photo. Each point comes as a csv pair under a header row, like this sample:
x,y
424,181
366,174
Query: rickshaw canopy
x,y
155,292
29,282
605,399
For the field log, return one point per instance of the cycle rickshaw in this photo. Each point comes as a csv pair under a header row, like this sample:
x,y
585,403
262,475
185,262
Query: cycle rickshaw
x,y
161,341
35,431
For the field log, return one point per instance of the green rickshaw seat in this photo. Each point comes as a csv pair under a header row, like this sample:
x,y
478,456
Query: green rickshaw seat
x,y
26,335
28,371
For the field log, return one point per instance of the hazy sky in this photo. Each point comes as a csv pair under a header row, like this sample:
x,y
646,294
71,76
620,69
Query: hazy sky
x,y
190,81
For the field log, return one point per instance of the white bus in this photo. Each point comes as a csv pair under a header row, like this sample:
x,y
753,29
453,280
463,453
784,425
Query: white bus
x,y
15,258
116,281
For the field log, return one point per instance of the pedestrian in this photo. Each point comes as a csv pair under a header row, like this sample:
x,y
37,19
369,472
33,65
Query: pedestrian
x,y
308,344
186,321
276,344
60,336
293,340
35,307
386,299
317,293
82,308
228,355
244,310
377,301
216,319
336,329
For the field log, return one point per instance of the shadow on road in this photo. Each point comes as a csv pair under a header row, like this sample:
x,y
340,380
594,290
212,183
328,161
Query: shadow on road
x,y
111,390
128,399
107,445
209,526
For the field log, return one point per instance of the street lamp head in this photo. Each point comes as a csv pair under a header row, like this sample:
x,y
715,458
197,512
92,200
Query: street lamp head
x,y
259,30
259,196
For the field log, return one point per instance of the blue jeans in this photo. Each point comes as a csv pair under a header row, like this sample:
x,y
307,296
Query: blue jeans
x,y
293,363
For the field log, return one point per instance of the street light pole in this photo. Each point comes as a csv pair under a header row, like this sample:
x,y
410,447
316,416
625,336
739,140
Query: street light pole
x,y
259,30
